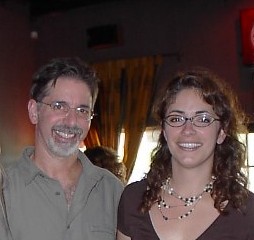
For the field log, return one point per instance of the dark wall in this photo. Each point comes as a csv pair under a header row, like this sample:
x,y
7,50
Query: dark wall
x,y
16,67
186,32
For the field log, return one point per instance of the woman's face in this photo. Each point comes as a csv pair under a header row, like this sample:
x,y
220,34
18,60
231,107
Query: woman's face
x,y
192,146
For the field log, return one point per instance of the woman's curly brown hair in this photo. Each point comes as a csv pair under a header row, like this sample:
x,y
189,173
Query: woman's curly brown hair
x,y
229,158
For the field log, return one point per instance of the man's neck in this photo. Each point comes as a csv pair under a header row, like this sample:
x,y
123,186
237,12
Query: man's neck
x,y
65,170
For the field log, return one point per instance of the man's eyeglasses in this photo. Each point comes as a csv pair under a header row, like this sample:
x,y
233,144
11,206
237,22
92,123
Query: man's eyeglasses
x,y
63,108
200,120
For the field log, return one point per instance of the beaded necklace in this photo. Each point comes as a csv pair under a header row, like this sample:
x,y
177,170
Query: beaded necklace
x,y
187,201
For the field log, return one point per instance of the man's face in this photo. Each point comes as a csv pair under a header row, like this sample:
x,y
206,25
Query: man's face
x,y
58,131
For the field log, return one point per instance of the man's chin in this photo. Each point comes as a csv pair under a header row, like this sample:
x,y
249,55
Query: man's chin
x,y
65,150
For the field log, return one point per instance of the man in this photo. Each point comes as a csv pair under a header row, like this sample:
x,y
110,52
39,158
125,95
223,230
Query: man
x,y
54,191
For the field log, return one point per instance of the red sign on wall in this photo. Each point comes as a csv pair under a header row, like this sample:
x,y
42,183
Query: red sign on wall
x,y
247,30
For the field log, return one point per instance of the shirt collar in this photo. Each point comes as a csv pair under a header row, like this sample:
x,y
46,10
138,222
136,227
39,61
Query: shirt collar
x,y
31,171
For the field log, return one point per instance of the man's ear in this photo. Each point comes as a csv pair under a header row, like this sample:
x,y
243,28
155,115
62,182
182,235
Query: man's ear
x,y
32,111
221,137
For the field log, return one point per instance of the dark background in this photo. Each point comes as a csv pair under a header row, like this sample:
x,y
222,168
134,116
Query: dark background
x,y
185,32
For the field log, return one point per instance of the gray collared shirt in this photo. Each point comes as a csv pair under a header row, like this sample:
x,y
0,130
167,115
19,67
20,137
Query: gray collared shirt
x,y
37,208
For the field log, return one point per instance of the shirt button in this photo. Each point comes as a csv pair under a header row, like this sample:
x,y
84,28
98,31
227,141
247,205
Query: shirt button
x,y
68,227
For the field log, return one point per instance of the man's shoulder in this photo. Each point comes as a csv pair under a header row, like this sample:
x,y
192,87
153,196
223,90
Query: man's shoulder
x,y
20,171
107,178
14,167
96,172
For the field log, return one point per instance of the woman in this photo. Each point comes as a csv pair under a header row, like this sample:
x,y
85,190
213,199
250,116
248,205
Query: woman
x,y
195,188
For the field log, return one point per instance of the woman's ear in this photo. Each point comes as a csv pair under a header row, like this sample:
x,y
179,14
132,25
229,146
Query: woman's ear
x,y
165,135
32,111
221,137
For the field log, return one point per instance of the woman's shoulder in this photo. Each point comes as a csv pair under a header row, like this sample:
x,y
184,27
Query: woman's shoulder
x,y
132,197
249,213
139,186
249,207
135,190
250,198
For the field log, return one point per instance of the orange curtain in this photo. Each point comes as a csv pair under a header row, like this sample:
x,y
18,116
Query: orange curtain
x,y
140,77
125,96
109,102
92,139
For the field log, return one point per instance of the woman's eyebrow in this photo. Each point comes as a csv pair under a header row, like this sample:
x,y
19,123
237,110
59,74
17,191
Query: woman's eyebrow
x,y
182,112
176,111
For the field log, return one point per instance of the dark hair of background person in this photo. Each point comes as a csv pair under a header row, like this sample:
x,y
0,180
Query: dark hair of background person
x,y
108,158
64,67
229,157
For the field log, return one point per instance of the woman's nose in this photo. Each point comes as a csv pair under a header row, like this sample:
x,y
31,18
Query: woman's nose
x,y
188,127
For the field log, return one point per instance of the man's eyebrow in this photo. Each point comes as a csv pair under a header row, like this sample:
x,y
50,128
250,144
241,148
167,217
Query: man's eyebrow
x,y
84,106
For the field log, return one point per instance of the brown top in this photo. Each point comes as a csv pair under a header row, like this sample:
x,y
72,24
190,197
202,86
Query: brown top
x,y
235,225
